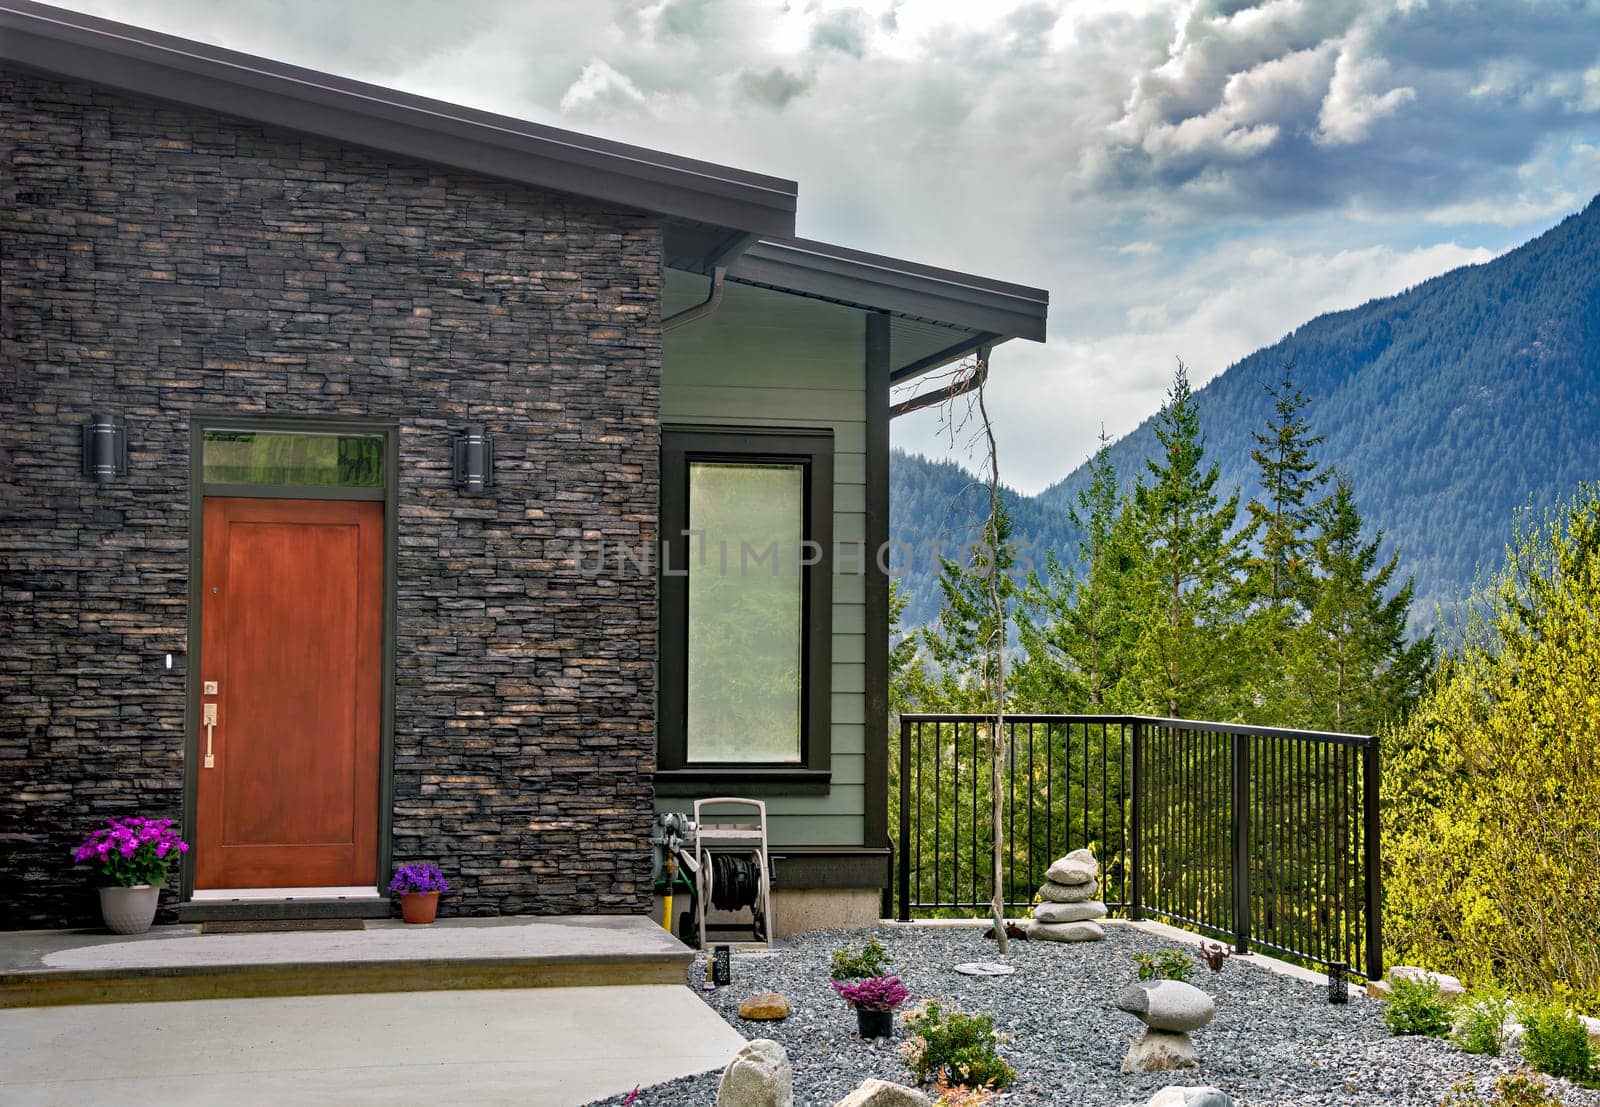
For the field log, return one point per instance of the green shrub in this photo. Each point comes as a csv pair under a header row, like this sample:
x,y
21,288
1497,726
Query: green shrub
x,y
1557,1042
1513,1089
1490,786
961,1048
1167,965
1479,1025
850,964
1416,1007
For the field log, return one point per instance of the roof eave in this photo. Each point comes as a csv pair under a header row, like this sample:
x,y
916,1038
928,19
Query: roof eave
x,y
871,281
66,44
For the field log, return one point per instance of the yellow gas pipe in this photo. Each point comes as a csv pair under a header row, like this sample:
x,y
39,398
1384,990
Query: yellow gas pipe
x,y
671,868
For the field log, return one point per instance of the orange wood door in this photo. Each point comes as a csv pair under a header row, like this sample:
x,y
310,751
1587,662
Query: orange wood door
x,y
292,635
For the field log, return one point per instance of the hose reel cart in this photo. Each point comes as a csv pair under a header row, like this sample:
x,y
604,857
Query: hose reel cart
x,y
719,856
734,871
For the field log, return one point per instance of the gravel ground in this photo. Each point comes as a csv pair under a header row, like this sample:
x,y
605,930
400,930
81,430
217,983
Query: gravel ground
x,y
1275,1040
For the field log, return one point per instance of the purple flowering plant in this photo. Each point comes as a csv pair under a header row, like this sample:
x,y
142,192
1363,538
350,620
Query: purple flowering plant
x,y
875,993
420,877
131,851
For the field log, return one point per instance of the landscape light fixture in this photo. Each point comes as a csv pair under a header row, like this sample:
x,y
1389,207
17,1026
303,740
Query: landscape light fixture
x,y
105,449
1338,982
474,459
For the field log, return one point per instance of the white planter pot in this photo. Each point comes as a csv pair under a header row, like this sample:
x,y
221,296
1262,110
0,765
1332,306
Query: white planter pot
x,y
129,910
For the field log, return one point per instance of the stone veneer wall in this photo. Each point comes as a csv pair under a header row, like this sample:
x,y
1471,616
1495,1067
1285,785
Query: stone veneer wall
x,y
159,260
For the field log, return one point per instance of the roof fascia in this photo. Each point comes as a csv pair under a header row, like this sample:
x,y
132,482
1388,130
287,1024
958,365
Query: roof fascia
x,y
889,284
62,43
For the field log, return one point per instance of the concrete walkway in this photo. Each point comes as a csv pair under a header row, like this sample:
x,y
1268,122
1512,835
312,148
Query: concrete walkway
x,y
545,1046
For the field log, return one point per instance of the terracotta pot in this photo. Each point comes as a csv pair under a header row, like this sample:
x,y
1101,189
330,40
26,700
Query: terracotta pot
x,y
419,907
129,910
875,1024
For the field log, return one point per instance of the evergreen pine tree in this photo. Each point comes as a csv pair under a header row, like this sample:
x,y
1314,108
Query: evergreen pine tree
x,y
1072,622
906,677
1185,597
1354,663
1282,518
958,643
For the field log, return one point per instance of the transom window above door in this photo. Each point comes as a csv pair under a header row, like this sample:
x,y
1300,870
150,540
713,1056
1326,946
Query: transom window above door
x,y
746,601
298,458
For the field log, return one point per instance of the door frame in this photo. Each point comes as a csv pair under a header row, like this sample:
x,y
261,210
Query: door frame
x,y
199,423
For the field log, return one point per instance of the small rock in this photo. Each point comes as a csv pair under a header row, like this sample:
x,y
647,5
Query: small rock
x,y
1052,892
1077,867
873,1092
758,1076
764,1007
1592,1025
1160,1051
1449,987
1066,932
1183,1095
985,968
1070,912
1378,989
1168,1005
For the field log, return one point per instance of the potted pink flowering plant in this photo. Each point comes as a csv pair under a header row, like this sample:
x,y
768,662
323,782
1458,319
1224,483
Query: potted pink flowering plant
x,y
133,856
874,999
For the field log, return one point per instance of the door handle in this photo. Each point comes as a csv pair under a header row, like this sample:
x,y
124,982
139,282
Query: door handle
x,y
208,719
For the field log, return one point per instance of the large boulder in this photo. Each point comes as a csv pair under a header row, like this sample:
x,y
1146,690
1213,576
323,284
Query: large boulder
x,y
1160,1051
873,1092
1065,932
1070,912
1077,867
1168,1005
1051,892
1449,987
1183,1095
758,1076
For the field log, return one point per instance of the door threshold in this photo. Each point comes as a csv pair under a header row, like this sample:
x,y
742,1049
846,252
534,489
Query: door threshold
x,y
219,904
351,891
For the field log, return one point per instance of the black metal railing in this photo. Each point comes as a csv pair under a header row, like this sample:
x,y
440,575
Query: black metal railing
x,y
1266,836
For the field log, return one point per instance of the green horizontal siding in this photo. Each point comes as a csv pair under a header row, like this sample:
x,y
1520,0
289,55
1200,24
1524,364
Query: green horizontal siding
x,y
765,359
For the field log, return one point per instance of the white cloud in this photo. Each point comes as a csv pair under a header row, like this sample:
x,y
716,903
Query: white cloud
x,y
601,90
1351,106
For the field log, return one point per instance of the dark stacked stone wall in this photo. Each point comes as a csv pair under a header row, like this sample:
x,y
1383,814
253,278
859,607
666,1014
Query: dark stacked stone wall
x,y
159,261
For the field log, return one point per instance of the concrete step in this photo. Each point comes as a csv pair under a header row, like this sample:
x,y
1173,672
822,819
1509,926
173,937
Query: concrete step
x,y
47,968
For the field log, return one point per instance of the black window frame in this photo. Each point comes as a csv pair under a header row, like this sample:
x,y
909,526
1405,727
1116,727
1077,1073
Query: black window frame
x,y
813,450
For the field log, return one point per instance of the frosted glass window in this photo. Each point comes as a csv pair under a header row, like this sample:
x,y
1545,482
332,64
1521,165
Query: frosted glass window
x,y
746,622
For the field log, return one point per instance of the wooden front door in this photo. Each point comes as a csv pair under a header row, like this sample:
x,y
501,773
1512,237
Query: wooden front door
x,y
291,638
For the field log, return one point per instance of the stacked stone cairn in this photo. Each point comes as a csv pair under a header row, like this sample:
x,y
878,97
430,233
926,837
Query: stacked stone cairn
x,y
1170,1010
1071,910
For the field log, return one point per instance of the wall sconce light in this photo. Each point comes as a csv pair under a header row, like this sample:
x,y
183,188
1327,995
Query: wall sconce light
x,y
105,449
474,459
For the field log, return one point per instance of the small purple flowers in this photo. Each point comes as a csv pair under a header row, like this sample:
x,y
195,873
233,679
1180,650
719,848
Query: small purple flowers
x,y
875,993
132,851
422,877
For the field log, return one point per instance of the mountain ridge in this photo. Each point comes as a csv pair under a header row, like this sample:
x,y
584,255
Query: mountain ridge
x,y
1449,405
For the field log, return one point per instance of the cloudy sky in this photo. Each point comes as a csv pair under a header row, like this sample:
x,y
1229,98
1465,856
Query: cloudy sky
x,y
1187,179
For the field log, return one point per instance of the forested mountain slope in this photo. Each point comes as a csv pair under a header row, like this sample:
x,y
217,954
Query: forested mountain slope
x,y
1448,406
937,507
